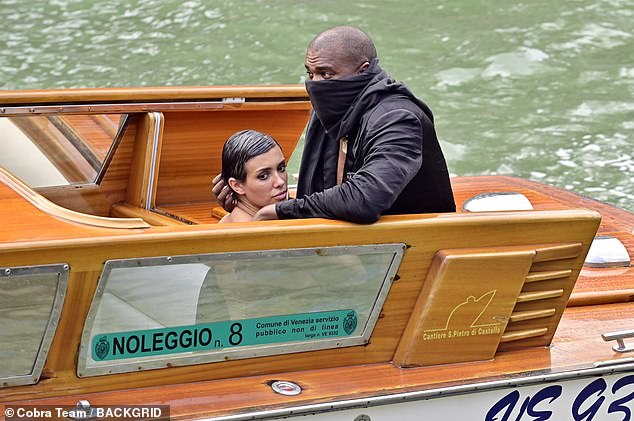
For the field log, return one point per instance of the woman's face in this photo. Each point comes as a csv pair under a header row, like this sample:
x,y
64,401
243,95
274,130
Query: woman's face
x,y
265,181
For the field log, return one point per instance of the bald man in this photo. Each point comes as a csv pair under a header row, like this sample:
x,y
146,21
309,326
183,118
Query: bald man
x,y
371,147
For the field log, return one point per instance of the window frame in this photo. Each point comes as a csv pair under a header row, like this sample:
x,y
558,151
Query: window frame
x,y
239,352
62,270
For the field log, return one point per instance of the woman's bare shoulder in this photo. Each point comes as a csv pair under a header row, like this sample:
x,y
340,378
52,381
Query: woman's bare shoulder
x,y
235,215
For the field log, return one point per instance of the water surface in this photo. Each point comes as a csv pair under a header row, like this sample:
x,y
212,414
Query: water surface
x,y
536,89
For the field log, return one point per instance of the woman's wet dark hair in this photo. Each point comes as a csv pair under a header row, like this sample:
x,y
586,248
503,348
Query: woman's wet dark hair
x,y
241,147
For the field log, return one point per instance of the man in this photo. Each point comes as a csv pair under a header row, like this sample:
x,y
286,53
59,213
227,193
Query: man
x,y
370,148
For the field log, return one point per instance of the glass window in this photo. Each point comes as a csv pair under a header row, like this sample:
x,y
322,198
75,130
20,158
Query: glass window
x,y
31,299
198,308
57,150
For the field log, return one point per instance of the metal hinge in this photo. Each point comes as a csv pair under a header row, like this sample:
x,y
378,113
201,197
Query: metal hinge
x,y
233,100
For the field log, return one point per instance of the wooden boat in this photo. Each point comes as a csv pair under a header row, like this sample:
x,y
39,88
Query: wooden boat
x,y
118,288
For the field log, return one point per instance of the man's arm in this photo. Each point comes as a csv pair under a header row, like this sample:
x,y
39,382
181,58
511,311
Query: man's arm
x,y
392,156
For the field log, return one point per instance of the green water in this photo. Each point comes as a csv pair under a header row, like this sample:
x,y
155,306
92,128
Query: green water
x,y
536,89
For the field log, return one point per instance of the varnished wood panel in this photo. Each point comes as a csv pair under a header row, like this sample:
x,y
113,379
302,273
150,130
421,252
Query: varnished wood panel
x,y
192,147
87,254
465,304
122,210
145,161
594,286
197,213
470,295
23,224
542,197
578,340
97,131
544,295
58,212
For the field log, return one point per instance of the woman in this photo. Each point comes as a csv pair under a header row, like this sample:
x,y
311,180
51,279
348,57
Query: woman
x,y
254,168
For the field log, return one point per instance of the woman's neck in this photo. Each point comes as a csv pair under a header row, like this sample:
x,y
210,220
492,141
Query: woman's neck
x,y
247,207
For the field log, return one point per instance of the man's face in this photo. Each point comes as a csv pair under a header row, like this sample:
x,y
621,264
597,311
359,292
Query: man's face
x,y
328,64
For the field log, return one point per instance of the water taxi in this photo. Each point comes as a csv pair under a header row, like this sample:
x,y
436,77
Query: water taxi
x,y
119,289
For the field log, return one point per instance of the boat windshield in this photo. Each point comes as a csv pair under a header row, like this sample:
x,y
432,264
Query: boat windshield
x,y
57,150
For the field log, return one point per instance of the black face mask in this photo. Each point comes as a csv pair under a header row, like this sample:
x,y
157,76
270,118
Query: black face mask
x,y
332,98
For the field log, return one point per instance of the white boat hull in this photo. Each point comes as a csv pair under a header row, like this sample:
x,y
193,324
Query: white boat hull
x,y
608,397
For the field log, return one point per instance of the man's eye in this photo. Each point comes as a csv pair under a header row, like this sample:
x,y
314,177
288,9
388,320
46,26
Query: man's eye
x,y
310,75
327,75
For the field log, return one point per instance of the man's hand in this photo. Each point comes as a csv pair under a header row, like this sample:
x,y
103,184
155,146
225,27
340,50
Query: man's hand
x,y
266,213
222,193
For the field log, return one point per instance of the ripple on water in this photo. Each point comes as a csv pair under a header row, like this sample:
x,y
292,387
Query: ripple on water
x,y
595,35
456,76
525,61
593,108
511,82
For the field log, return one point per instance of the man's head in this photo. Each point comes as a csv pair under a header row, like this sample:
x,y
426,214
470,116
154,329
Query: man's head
x,y
339,52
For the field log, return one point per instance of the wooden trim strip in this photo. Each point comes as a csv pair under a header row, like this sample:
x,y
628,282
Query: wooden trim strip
x,y
601,297
558,252
270,105
57,211
129,211
110,108
544,276
143,107
164,93
520,316
539,295
523,334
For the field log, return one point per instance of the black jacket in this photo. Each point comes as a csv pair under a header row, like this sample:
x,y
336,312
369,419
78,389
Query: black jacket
x,y
394,163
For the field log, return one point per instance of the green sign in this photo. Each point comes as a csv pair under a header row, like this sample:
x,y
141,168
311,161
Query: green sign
x,y
225,334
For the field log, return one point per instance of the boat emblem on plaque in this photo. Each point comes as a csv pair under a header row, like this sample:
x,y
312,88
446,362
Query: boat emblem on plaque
x,y
102,347
469,314
350,322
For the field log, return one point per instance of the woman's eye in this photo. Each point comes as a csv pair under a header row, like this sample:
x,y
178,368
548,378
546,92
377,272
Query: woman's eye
x,y
282,168
263,176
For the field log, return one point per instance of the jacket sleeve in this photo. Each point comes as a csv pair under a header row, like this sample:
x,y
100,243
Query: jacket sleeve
x,y
391,151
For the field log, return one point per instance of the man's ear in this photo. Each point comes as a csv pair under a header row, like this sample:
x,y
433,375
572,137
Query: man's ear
x,y
364,67
236,186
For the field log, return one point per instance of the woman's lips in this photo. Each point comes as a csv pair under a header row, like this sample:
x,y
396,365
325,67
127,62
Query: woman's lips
x,y
280,195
